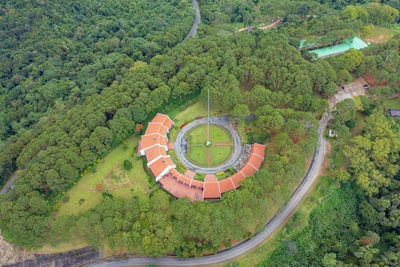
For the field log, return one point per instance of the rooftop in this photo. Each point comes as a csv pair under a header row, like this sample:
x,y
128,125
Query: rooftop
x,y
154,152
160,165
211,189
148,141
164,119
156,127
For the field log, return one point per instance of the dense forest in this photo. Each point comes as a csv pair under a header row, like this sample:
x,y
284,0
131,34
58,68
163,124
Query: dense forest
x,y
55,54
358,223
76,77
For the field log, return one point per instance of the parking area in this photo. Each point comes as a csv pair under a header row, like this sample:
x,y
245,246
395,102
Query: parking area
x,y
350,90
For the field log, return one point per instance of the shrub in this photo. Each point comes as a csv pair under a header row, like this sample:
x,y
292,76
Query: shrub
x,y
81,201
127,165
65,199
351,123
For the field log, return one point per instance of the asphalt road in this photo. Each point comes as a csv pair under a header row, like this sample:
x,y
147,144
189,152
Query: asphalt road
x,y
298,195
196,20
9,185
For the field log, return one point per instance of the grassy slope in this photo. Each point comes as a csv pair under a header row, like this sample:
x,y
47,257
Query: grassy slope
x,y
115,180
381,34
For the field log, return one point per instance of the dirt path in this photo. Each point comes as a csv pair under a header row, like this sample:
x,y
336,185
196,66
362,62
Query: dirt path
x,y
222,144
208,156
249,28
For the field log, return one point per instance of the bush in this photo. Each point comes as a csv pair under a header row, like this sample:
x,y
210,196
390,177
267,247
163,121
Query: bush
x,y
93,169
127,165
351,123
65,199
81,201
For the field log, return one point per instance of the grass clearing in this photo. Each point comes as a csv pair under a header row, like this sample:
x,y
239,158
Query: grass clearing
x,y
109,177
62,247
381,34
392,104
244,128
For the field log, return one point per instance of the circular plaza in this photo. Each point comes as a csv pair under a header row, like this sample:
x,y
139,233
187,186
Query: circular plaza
x,y
223,150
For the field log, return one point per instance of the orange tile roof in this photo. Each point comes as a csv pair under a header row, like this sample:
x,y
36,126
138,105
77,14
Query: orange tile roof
x,y
258,149
236,178
153,152
154,128
151,140
255,161
185,179
175,173
197,183
164,119
159,166
226,185
178,190
248,170
211,189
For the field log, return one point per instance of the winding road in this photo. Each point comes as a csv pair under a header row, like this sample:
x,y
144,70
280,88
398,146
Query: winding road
x,y
301,191
9,184
196,20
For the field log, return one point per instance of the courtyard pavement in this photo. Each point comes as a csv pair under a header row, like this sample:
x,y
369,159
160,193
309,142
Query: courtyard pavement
x,y
350,90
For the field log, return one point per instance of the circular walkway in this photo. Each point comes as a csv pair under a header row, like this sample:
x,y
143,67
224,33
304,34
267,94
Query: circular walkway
x,y
222,121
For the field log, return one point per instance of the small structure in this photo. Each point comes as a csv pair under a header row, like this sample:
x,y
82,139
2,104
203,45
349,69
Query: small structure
x,y
332,133
355,43
394,112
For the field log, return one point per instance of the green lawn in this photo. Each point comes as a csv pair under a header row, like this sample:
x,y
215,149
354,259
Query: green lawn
x,y
220,153
197,155
199,135
113,179
197,150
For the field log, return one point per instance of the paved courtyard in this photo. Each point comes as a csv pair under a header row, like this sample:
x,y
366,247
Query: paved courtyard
x,y
350,91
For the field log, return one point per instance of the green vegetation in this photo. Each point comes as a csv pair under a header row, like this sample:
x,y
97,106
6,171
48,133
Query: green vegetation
x,y
78,77
56,54
346,227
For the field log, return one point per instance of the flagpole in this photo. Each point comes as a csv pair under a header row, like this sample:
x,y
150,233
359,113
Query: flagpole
x,y
208,115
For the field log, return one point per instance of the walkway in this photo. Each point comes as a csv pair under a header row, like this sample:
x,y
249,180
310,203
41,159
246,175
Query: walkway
x,y
222,121
249,28
244,247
